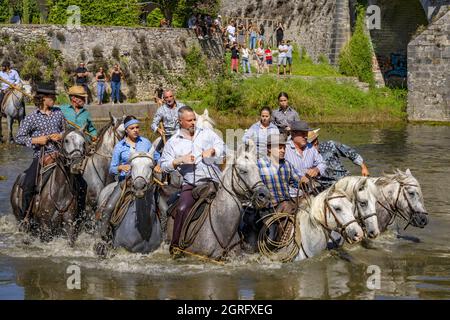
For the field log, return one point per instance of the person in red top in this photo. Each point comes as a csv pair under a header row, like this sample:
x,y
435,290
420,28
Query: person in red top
x,y
268,57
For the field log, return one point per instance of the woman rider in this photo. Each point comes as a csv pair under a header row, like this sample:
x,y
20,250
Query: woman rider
x,y
39,131
132,142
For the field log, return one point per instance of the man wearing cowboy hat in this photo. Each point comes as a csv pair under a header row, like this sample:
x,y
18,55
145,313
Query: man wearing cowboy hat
x,y
331,152
75,112
303,156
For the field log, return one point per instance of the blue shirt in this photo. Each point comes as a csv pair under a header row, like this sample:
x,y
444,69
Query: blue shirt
x,y
80,119
259,135
12,76
122,152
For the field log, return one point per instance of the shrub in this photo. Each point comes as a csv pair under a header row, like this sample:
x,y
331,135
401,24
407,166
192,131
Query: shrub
x,y
356,57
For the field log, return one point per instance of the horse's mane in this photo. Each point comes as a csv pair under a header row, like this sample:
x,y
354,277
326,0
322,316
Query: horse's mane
x,y
105,128
349,184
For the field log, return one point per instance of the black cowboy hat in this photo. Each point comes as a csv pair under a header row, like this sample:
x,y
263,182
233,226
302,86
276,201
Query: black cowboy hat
x,y
299,126
46,88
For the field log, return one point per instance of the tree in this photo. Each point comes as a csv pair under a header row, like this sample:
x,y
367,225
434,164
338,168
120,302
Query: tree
x,y
182,9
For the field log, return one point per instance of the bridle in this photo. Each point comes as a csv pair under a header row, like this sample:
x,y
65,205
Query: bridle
x,y
67,156
362,219
341,227
394,209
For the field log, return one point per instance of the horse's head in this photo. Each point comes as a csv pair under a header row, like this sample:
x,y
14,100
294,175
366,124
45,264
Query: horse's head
x,y
141,172
366,200
26,87
334,210
409,199
74,149
245,178
205,121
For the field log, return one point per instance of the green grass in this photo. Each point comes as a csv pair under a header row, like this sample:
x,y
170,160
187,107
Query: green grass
x,y
235,102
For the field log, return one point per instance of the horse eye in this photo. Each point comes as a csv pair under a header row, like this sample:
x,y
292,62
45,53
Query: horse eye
x,y
337,209
243,171
363,204
66,140
411,193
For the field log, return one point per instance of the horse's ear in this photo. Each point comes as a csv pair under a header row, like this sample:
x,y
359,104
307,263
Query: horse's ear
x,y
111,117
206,113
408,172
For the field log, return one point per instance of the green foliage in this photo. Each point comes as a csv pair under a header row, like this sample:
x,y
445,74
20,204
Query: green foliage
x,y
154,18
304,57
99,12
28,10
196,70
356,57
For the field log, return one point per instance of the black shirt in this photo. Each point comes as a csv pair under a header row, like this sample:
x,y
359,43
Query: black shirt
x,y
234,53
115,77
81,79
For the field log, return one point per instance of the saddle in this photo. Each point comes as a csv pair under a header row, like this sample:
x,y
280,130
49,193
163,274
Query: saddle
x,y
203,195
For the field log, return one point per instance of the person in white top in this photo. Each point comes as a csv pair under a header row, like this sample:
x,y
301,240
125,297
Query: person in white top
x,y
9,75
245,58
231,31
282,51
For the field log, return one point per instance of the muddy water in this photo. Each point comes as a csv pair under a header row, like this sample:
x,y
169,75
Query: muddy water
x,y
418,269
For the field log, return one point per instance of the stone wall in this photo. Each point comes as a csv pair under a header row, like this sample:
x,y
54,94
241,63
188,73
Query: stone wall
x,y
429,73
315,25
150,55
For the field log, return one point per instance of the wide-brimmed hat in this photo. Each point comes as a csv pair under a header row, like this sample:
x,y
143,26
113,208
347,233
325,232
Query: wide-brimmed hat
x,y
77,91
46,88
276,139
299,126
313,135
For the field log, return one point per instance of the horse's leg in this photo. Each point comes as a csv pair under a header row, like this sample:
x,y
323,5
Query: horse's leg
x,y
70,224
10,121
1,130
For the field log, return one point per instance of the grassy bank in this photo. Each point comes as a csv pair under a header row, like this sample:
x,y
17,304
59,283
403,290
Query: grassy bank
x,y
235,101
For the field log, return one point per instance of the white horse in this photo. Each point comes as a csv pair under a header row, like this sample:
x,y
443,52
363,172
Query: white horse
x,y
363,193
13,108
329,211
400,196
205,121
138,229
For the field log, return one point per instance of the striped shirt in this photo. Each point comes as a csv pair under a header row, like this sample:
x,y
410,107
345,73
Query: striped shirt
x,y
278,178
259,135
310,158
169,117
281,118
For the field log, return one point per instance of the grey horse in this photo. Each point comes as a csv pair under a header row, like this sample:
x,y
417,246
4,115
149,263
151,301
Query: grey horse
x,y
96,170
56,208
240,182
14,109
138,229
400,196
363,192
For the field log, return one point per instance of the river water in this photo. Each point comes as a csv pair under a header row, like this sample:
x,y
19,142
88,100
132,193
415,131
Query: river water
x,y
418,269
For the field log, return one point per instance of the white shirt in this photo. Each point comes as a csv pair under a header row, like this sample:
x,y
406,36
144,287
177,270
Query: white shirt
x,y
231,30
179,146
245,53
11,76
282,49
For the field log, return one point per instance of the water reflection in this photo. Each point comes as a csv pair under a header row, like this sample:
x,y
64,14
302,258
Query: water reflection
x,y
408,269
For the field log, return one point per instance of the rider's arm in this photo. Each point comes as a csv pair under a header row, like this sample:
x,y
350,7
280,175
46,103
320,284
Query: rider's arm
x,y
90,126
167,159
24,134
219,147
16,78
348,152
319,163
156,119
249,134
115,161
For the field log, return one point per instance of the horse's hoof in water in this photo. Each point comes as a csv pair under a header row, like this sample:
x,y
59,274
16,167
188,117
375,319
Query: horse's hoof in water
x,y
24,226
175,252
368,244
101,249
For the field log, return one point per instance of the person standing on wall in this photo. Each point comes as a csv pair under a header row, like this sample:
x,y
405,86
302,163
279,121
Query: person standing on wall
x,y
289,56
279,33
81,79
101,84
116,77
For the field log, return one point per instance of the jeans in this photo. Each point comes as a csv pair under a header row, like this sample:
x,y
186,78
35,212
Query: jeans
x,y
100,91
245,65
252,42
115,91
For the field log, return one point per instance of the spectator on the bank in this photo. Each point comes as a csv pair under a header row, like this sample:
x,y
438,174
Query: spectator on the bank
x,y
100,76
235,58
262,31
282,51
208,25
192,22
81,78
253,37
218,23
279,33
241,34
245,59
159,93
260,58
289,55
164,23
116,77
285,114
268,58
231,31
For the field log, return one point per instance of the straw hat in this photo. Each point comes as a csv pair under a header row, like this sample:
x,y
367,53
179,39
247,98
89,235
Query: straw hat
x,y
313,135
78,91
